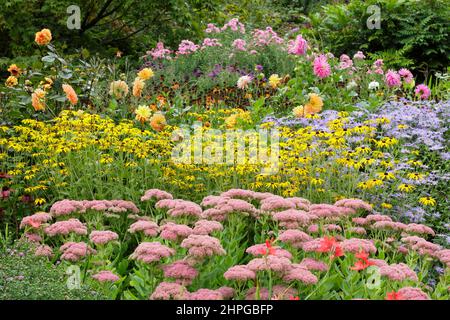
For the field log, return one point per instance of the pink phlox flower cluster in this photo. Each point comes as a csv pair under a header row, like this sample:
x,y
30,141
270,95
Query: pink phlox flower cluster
x,y
169,291
106,276
179,207
206,227
187,47
43,251
202,246
175,232
74,251
35,220
298,47
398,272
103,237
65,227
239,44
266,37
159,52
294,237
234,25
149,228
210,42
345,62
239,273
211,28
355,245
354,204
181,271
156,194
149,252
321,67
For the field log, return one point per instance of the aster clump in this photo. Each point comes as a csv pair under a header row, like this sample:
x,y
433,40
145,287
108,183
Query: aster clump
x,y
149,252
201,246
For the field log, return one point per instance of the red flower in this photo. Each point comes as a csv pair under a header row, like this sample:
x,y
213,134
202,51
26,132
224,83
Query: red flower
x,y
294,298
269,248
363,261
329,244
393,296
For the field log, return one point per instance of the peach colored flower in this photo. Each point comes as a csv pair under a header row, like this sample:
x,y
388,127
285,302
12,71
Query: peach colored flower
x,y
70,94
43,37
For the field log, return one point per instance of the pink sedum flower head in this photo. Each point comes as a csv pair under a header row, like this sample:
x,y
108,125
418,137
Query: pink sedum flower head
x,y
178,207
149,228
398,272
202,246
181,271
149,252
175,232
169,291
239,273
103,237
43,251
321,67
65,227
156,194
206,227
206,294
75,251
106,276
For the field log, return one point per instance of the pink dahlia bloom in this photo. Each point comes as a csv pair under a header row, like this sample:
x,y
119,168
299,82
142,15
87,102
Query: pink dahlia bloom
x,y
398,272
103,237
149,228
406,75
206,227
239,273
149,252
202,246
169,291
422,91
181,271
74,251
321,67
393,79
65,227
105,276
243,82
156,194
175,232
298,46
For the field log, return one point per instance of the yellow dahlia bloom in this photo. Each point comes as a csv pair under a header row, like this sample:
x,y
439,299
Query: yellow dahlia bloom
x,y
143,113
43,37
11,82
146,74
316,102
274,80
14,70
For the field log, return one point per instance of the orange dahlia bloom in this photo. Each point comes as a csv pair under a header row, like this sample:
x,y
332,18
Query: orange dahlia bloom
x,y
158,121
14,70
70,94
138,86
43,37
11,82
38,100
